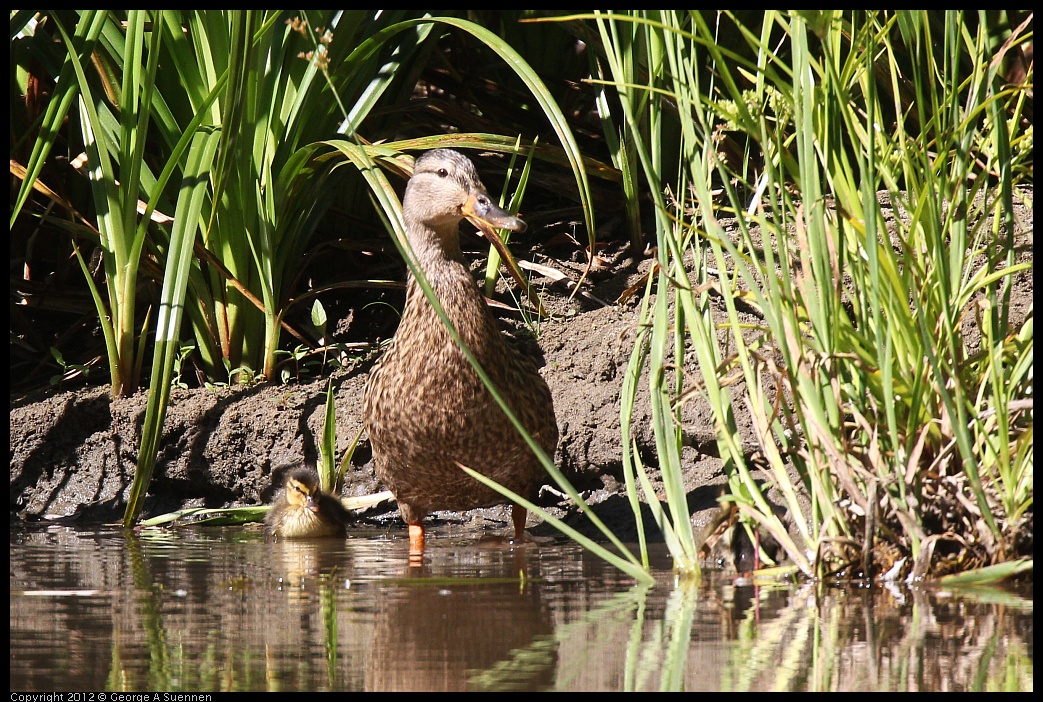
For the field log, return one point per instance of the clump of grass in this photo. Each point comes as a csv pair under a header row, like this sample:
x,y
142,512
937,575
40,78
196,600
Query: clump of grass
x,y
863,393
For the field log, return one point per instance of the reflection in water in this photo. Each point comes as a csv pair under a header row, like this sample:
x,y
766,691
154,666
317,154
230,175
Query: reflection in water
x,y
221,609
427,629
433,632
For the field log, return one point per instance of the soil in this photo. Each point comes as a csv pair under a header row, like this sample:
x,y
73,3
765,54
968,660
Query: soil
x,y
73,452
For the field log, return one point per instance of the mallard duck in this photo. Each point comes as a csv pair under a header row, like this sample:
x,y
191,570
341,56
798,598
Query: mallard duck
x,y
425,409
302,510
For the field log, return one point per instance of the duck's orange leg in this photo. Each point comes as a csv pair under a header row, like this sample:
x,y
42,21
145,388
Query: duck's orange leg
x,y
416,539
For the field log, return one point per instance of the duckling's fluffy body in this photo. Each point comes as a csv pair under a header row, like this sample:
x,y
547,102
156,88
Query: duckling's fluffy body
x,y
301,510
425,408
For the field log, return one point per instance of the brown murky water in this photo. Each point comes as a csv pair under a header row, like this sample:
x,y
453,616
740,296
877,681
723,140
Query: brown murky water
x,y
221,610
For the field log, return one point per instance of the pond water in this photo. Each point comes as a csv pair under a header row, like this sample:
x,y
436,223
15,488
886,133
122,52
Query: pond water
x,y
219,609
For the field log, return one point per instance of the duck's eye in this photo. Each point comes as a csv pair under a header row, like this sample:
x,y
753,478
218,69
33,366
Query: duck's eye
x,y
443,173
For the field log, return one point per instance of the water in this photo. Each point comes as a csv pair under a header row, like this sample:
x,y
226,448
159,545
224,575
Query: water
x,y
219,609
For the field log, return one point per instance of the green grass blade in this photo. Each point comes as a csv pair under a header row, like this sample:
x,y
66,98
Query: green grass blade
x,y
179,260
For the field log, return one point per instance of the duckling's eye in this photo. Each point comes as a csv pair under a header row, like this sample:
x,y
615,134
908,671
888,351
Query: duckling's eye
x,y
443,173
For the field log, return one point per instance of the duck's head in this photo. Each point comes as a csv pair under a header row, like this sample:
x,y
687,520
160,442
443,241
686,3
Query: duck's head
x,y
302,489
444,189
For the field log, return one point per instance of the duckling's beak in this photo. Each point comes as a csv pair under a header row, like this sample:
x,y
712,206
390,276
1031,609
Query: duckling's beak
x,y
311,503
479,209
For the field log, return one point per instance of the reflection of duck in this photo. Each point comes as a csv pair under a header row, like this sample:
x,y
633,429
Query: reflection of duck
x,y
302,510
425,407
488,633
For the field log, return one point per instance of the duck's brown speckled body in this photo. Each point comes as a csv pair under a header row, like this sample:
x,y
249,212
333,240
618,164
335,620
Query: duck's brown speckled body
x,y
425,407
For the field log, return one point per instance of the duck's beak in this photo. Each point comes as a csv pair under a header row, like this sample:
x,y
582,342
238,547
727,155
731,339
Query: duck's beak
x,y
482,213
479,209
311,504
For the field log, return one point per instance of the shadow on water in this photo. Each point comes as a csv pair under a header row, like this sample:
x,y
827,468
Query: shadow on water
x,y
222,610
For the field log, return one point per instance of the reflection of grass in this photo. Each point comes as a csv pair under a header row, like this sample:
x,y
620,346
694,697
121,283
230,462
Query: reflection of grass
x,y
769,654
660,646
465,582
818,640
614,609
328,605
178,660
517,671
1013,674
834,640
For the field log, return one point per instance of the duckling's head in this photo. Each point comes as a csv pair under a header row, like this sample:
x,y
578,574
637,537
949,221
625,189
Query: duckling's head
x,y
303,489
444,189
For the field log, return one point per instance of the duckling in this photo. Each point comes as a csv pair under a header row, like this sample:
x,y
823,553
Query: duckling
x,y
301,510
425,409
